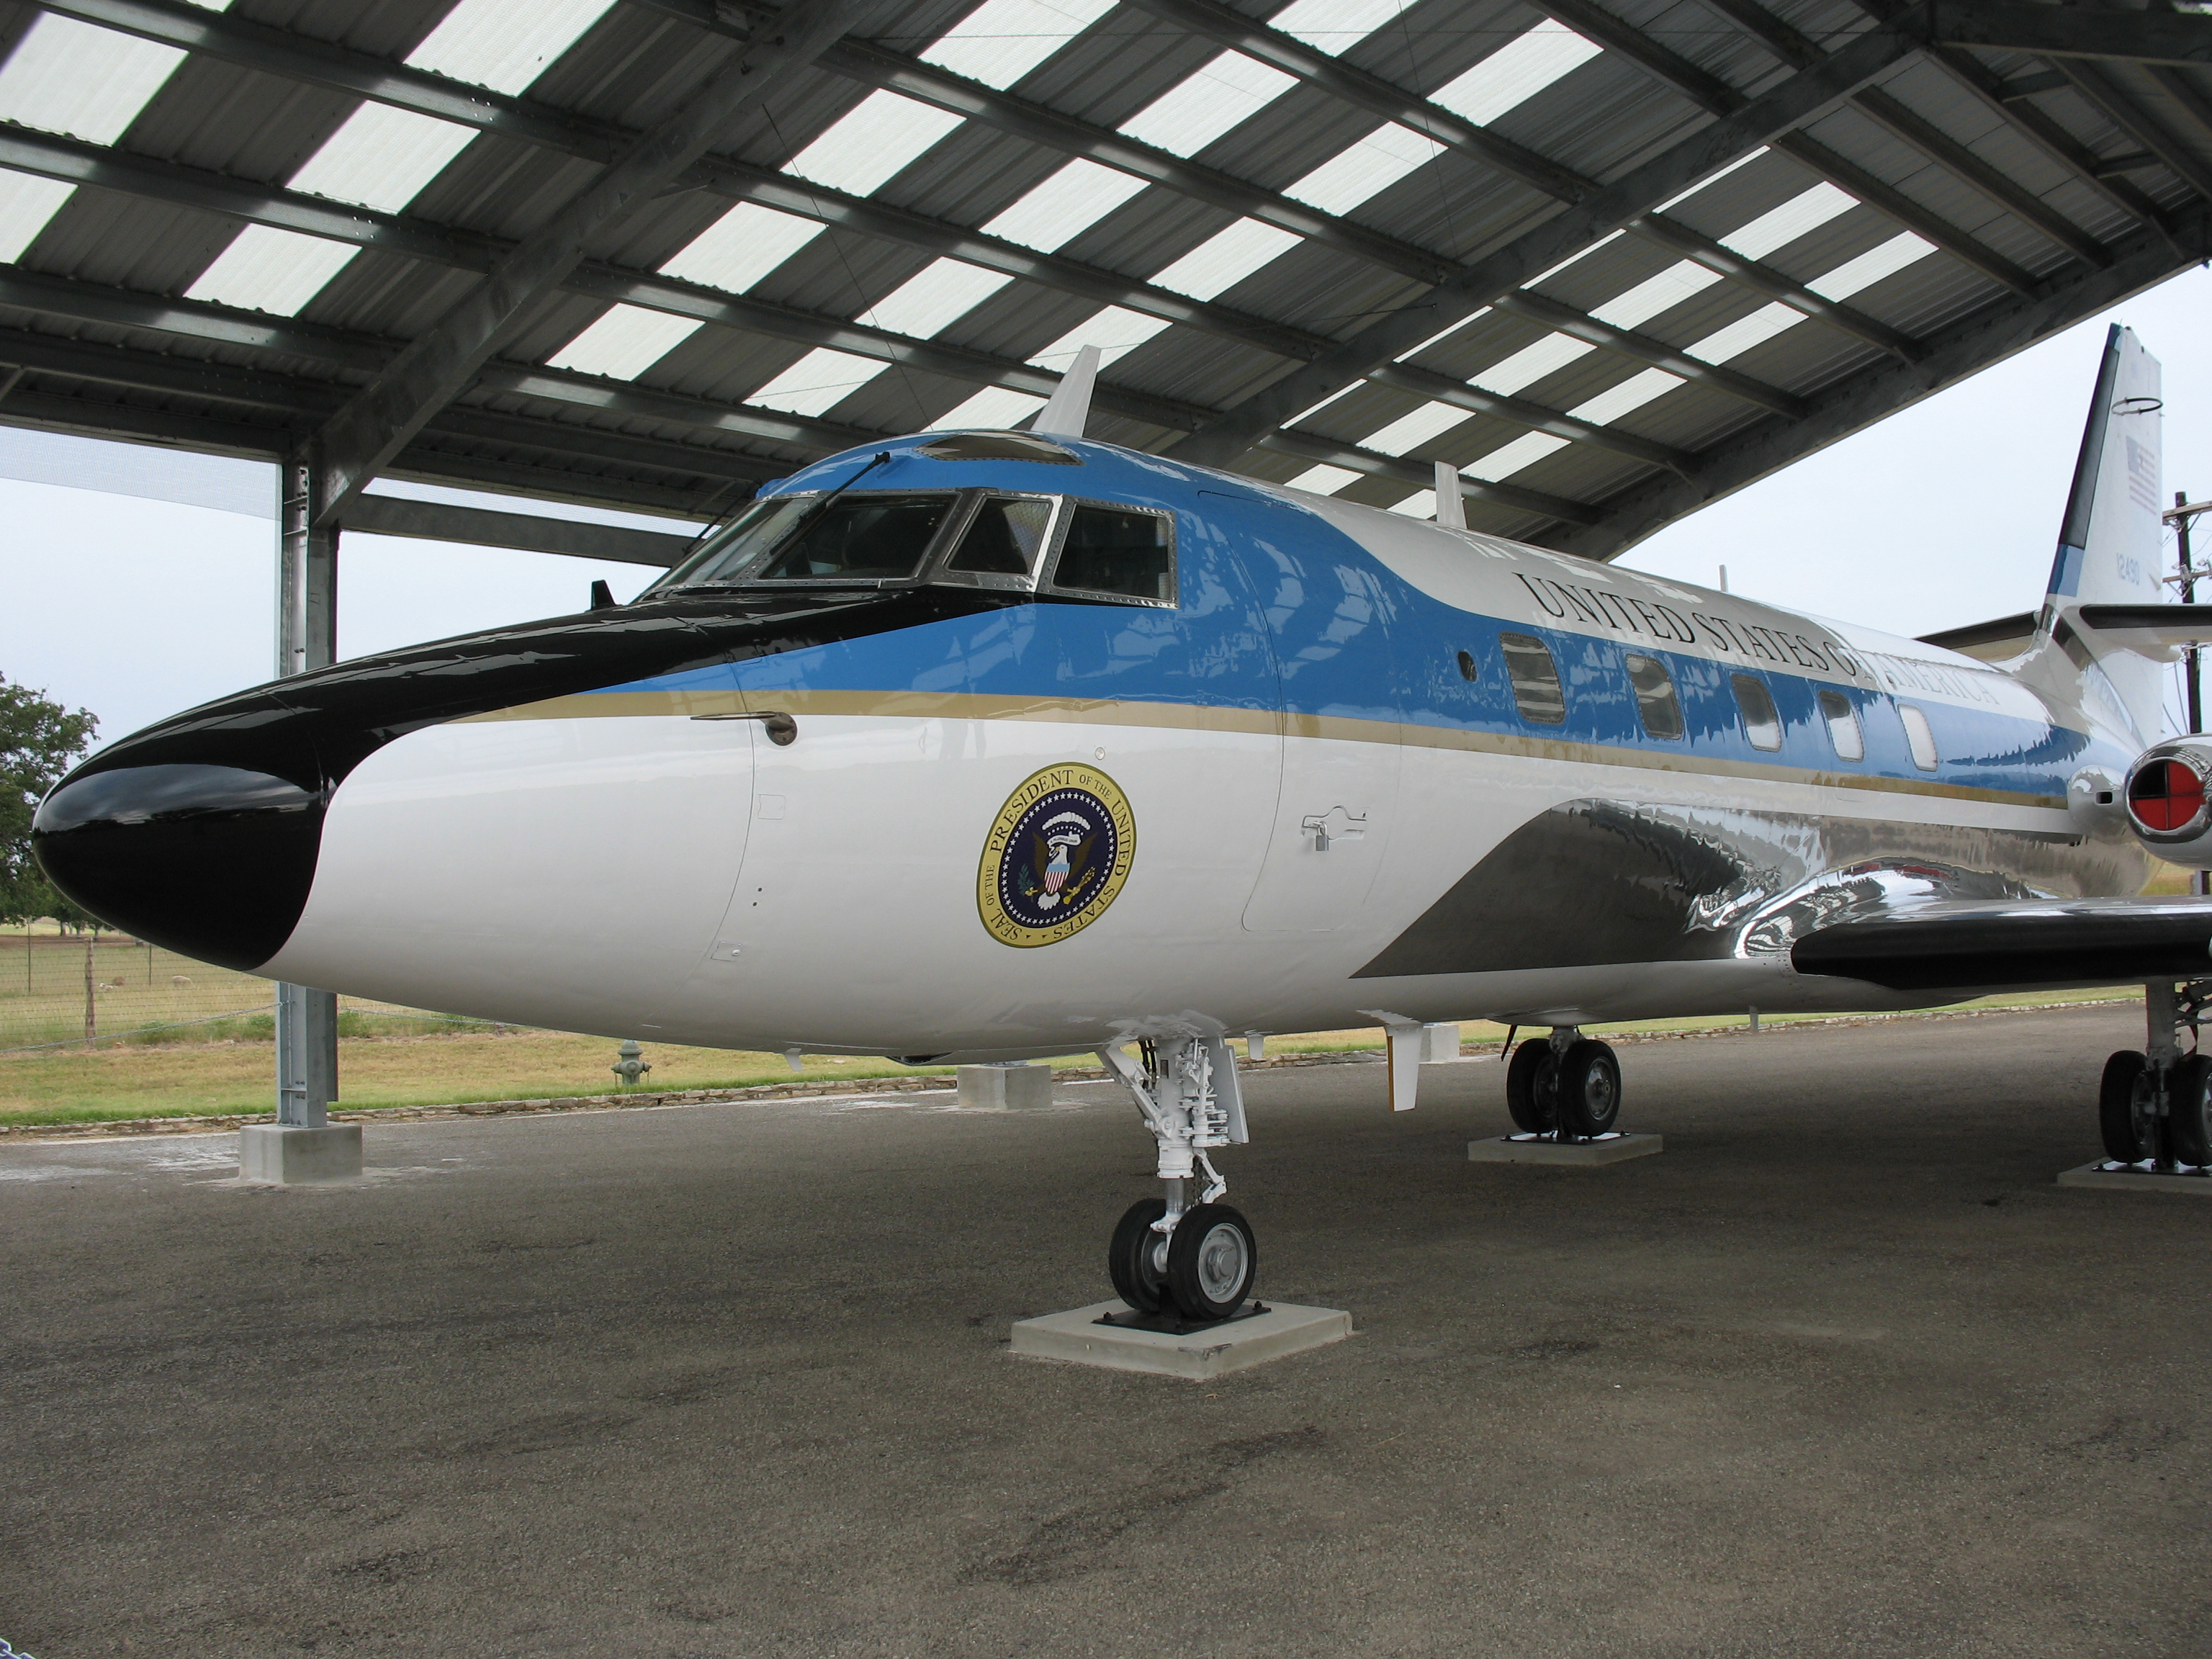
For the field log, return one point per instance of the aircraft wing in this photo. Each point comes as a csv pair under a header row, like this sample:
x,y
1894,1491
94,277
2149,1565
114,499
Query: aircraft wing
x,y
2009,943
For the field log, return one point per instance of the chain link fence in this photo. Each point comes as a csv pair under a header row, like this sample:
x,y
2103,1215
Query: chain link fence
x,y
63,990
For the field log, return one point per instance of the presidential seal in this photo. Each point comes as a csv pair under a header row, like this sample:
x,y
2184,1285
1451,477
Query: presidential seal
x,y
1057,856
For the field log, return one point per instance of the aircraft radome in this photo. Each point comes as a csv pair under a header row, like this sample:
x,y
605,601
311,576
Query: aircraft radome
x,y
987,745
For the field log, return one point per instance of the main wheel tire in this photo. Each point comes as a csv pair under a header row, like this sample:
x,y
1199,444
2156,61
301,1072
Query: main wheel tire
x,y
1212,1259
1528,1088
1130,1258
2189,1111
2125,1113
1589,1089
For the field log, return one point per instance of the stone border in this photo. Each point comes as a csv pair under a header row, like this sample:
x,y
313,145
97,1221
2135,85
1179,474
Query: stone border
x,y
647,1098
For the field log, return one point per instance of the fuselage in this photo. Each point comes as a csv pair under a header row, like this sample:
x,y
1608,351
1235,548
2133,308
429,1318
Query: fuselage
x,y
1342,762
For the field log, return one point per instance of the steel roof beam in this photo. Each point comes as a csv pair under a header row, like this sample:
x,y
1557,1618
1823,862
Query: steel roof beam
x,y
2005,326
1797,50
2092,81
339,348
1717,97
433,367
1381,97
2086,32
295,57
1666,175
530,532
78,162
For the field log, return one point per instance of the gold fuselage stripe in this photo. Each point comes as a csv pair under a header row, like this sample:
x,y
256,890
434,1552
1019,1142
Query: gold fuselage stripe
x,y
1193,717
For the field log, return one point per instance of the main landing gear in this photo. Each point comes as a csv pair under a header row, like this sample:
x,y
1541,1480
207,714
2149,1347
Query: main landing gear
x,y
2156,1107
1566,1087
1169,1257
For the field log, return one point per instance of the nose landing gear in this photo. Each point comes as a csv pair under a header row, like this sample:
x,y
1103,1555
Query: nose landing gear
x,y
1169,1257
2155,1107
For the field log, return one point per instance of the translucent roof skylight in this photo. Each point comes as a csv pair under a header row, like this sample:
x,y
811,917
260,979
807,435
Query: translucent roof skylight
x,y
1781,226
1870,267
1002,40
74,78
1065,205
1195,112
821,378
268,270
1526,450
1115,332
1654,294
873,140
1375,163
939,294
624,342
994,408
1633,392
1225,259
1531,364
504,44
1324,480
1331,26
741,247
1410,431
381,157
1515,73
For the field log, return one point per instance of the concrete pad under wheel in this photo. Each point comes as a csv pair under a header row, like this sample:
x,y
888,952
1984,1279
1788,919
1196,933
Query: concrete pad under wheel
x,y
1077,1336
2132,1178
1530,1148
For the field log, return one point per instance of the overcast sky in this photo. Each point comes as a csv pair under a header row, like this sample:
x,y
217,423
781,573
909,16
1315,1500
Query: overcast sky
x,y
1944,514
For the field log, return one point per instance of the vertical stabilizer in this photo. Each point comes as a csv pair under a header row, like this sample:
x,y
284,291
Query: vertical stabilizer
x,y
2109,542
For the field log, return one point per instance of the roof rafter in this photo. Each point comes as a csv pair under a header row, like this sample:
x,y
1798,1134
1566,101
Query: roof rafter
x,y
2091,32
1566,233
433,367
1717,97
1996,330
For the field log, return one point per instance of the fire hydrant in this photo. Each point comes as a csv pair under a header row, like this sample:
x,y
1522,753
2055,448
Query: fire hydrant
x,y
629,1068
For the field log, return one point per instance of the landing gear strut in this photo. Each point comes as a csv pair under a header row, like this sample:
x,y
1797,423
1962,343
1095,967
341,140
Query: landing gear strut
x,y
2155,1107
1168,1255
1566,1085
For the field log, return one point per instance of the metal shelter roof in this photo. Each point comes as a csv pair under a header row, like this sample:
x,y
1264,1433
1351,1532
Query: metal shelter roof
x,y
1611,260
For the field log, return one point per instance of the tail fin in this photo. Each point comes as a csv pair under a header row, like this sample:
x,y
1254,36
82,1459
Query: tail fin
x,y
2109,542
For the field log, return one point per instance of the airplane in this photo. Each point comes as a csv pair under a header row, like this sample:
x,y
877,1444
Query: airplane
x,y
990,745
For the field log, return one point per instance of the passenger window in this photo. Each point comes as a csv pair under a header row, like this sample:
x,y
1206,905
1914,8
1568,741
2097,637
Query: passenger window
x,y
1005,538
1760,723
1919,736
1112,551
860,539
1535,679
1655,695
1843,725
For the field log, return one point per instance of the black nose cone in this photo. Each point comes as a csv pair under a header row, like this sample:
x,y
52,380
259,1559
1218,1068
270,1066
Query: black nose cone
x,y
211,860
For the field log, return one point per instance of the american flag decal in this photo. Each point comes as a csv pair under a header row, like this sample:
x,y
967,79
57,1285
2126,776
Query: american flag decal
x,y
2142,475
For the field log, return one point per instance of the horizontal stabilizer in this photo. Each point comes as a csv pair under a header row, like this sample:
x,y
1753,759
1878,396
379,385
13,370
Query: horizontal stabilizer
x,y
2149,624
2011,944
1992,641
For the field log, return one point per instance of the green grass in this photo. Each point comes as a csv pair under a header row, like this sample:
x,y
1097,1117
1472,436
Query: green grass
x,y
412,1061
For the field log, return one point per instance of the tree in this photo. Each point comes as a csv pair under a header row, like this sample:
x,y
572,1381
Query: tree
x,y
39,740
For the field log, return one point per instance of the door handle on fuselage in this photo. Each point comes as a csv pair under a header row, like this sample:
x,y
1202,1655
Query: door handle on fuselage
x,y
782,729
1316,824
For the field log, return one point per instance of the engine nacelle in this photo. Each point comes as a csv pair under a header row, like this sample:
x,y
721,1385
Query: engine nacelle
x,y
2167,807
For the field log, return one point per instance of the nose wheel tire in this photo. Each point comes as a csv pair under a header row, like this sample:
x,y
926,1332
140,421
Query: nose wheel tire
x,y
1589,1088
2189,1111
2126,1112
1132,1259
1212,1259
1531,1091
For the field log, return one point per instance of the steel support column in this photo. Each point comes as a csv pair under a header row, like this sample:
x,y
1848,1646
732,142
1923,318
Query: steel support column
x,y
307,638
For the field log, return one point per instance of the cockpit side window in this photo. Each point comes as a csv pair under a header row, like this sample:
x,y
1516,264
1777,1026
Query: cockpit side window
x,y
1118,552
1006,536
729,550
860,538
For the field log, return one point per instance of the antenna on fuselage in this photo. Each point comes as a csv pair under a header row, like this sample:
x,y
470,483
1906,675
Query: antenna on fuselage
x,y
1069,406
1451,505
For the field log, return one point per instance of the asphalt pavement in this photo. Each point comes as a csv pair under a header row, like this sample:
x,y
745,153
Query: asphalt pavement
x,y
1841,1371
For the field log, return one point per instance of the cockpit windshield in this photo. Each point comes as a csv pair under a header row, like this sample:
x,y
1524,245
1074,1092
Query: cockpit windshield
x,y
855,539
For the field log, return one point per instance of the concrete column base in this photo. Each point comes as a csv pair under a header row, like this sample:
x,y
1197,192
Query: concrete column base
x,y
287,1155
1004,1088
